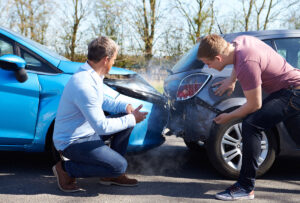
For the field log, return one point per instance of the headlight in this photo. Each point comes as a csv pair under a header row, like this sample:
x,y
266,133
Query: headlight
x,y
133,85
191,85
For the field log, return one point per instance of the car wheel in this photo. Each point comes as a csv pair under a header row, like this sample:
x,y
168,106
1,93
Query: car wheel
x,y
224,149
54,153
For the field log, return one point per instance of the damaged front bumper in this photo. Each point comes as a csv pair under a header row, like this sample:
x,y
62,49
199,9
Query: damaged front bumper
x,y
190,119
135,90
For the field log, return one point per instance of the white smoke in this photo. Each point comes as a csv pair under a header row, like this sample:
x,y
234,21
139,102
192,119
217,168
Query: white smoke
x,y
166,159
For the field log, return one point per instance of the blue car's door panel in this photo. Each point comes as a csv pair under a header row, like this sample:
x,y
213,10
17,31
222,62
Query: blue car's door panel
x,y
18,108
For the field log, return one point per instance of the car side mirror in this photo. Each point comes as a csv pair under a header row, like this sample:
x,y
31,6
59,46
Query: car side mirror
x,y
14,63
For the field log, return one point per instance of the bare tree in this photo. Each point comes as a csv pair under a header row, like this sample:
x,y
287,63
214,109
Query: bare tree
x,y
293,18
4,8
275,7
247,11
174,41
266,11
32,17
259,10
268,6
72,22
109,20
294,21
149,27
145,18
200,20
231,23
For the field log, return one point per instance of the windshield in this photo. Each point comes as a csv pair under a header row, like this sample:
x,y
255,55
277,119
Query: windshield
x,y
37,45
189,61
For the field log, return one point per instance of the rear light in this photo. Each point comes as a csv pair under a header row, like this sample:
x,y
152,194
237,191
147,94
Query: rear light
x,y
191,85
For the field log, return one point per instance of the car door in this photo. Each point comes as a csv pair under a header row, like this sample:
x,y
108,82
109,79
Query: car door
x,y
289,48
18,103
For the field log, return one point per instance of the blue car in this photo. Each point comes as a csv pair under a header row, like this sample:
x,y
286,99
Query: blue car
x,y
32,79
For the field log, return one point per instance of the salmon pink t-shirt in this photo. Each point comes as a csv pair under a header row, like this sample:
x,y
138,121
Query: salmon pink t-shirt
x,y
256,63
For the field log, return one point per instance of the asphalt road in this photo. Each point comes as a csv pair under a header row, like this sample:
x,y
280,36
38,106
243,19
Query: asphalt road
x,y
169,173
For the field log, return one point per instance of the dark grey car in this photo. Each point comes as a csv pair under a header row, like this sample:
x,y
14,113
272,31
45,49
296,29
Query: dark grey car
x,y
194,105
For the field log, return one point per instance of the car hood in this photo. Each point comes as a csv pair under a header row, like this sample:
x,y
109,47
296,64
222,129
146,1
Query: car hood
x,y
70,67
125,81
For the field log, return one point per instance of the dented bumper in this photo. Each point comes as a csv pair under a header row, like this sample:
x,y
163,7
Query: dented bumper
x,y
190,119
135,90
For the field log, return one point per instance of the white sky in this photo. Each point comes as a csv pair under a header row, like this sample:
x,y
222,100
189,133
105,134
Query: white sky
x,y
224,8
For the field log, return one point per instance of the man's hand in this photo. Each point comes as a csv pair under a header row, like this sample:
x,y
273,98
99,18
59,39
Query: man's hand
x,y
254,103
224,85
139,116
223,118
129,109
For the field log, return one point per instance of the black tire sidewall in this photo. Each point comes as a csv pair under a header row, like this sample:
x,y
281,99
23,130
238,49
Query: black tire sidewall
x,y
213,148
54,153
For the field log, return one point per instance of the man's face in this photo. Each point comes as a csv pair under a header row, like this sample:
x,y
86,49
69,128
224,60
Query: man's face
x,y
217,63
111,62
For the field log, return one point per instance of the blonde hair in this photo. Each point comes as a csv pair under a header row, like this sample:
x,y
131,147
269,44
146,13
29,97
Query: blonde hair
x,y
211,46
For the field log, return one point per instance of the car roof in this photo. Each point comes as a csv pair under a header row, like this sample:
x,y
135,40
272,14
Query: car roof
x,y
264,34
38,48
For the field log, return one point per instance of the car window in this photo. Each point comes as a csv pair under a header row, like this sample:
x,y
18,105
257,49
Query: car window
x,y
289,48
268,42
6,47
35,64
189,61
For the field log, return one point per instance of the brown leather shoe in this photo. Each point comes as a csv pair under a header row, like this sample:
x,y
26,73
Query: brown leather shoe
x,y
122,180
64,181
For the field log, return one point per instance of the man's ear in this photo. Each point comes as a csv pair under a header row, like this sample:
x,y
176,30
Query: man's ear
x,y
219,58
106,59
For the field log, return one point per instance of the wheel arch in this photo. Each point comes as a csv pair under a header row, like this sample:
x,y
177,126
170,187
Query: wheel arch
x,y
231,103
274,130
215,126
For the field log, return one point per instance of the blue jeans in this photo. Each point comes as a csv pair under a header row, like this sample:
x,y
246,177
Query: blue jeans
x,y
90,157
277,107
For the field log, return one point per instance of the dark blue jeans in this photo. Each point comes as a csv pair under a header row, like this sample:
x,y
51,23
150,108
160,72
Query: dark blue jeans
x,y
277,107
90,157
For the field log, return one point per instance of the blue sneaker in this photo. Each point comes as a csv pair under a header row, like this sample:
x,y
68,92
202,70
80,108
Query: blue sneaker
x,y
235,192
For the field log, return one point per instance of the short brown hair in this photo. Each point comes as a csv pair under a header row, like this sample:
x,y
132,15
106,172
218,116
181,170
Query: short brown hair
x,y
211,46
100,48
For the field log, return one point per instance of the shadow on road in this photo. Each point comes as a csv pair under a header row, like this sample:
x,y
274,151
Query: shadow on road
x,y
180,173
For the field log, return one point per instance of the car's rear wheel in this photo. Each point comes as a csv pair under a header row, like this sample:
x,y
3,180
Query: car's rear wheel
x,y
224,149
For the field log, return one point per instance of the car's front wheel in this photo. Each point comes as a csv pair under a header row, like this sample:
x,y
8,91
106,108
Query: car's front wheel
x,y
224,149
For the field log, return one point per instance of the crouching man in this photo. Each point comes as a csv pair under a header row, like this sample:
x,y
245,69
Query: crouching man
x,y
81,126
257,67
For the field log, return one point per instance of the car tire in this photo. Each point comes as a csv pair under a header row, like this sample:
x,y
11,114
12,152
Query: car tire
x,y
54,153
218,145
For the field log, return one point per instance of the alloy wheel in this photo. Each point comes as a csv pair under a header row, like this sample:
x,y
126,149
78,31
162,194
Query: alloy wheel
x,y
232,145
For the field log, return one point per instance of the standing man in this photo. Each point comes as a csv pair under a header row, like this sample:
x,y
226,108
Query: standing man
x,y
81,126
256,66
